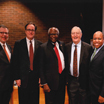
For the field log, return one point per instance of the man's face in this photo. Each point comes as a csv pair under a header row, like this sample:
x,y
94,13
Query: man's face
x,y
76,35
98,39
4,35
30,31
53,35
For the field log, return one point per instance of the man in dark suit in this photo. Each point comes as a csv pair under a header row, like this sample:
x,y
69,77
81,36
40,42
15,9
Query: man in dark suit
x,y
97,70
25,66
6,81
77,67
52,65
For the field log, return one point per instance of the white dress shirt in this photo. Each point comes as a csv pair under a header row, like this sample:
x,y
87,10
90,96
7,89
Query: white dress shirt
x,y
78,57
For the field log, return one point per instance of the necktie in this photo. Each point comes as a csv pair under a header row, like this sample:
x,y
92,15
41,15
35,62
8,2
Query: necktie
x,y
6,53
59,60
93,54
75,62
31,56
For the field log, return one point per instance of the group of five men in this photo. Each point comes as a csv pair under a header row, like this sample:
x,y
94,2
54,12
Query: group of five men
x,y
76,64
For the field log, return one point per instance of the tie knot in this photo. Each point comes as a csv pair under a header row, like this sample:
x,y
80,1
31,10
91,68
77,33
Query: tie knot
x,y
95,49
75,46
54,44
30,42
4,45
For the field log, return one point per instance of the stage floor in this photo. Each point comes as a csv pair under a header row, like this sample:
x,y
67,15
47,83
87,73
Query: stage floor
x,y
42,99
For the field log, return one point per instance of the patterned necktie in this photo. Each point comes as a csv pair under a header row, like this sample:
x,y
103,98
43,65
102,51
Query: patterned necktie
x,y
6,53
94,53
59,60
75,62
31,56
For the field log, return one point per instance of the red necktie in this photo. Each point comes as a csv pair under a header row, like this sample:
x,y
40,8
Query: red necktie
x,y
6,53
31,56
75,62
59,60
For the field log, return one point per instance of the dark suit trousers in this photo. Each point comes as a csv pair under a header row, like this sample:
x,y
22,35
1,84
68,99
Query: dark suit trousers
x,y
5,96
76,94
56,96
29,95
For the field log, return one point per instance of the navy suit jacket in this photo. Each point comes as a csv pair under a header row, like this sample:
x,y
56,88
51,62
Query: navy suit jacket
x,y
97,74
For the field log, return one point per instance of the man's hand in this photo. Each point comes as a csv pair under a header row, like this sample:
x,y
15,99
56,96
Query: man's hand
x,y
101,99
46,88
18,82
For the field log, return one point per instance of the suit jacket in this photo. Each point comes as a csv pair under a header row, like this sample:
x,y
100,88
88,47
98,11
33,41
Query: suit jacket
x,y
6,80
83,64
21,63
97,74
49,65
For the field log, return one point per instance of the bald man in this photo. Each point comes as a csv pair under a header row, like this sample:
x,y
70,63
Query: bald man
x,y
97,70
77,67
52,70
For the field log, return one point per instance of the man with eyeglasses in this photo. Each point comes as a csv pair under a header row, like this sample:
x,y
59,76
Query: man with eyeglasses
x,y
52,68
25,65
78,58
6,79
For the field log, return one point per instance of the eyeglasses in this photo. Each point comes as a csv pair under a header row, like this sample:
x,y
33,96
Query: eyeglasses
x,y
30,30
6,33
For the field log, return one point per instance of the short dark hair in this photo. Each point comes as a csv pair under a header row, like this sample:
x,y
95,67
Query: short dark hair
x,y
29,24
3,26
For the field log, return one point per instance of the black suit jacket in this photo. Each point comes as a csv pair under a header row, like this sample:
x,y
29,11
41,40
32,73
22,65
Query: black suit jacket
x,y
83,64
49,66
21,63
97,74
6,80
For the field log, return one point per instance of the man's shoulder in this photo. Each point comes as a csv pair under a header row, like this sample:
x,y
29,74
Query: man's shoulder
x,y
68,44
21,40
44,44
86,44
39,42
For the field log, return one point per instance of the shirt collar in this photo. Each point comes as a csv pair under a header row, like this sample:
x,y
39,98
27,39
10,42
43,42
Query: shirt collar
x,y
2,44
99,47
79,44
29,40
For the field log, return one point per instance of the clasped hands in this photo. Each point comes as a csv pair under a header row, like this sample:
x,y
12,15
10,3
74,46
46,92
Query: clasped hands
x,y
101,99
46,88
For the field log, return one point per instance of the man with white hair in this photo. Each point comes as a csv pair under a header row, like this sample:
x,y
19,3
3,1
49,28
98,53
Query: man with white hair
x,y
52,68
78,58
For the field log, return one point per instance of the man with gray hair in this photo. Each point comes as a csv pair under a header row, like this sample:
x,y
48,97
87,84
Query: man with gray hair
x,y
52,68
78,58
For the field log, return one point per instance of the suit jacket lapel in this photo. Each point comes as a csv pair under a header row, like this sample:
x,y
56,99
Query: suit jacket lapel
x,y
100,51
61,47
24,48
82,52
50,47
3,55
36,45
69,54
